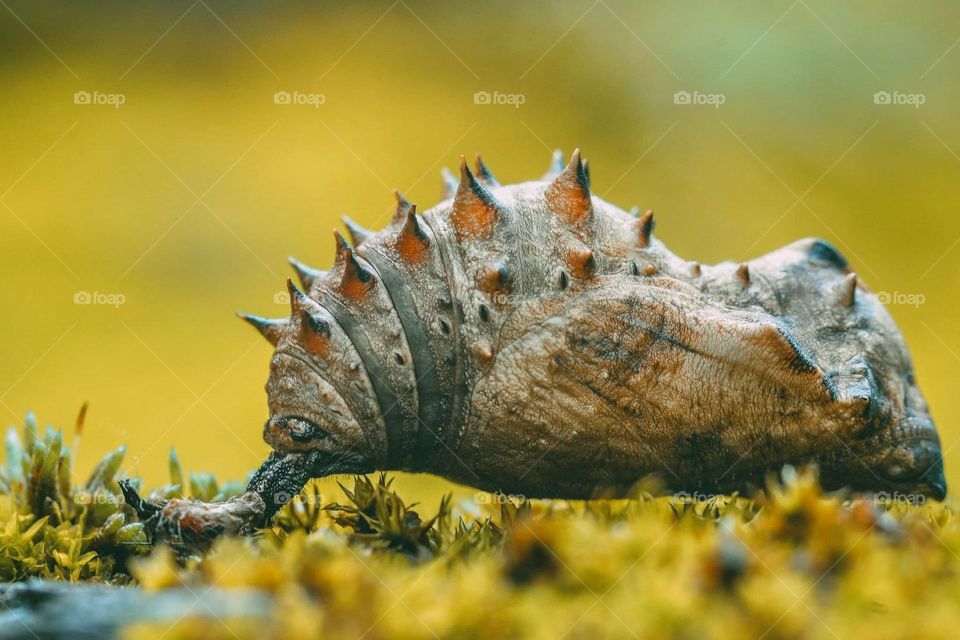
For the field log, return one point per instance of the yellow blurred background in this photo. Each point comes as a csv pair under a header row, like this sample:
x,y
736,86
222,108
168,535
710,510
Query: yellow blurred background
x,y
147,163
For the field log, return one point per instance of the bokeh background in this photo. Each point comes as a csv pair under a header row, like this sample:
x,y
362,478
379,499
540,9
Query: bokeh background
x,y
173,187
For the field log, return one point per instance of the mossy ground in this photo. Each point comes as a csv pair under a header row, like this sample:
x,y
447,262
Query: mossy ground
x,y
792,563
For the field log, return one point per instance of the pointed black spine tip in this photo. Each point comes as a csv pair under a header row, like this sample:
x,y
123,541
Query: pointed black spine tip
x,y
294,290
357,233
342,246
450,183
483,172
267,327
556,165
306,275
465,173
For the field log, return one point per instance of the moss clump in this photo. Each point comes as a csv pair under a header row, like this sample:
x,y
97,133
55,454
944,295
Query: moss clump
x,y
796,563
54,526
793,563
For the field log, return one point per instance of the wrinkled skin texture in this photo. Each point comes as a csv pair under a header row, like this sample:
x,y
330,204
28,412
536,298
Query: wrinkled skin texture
x,y
536,340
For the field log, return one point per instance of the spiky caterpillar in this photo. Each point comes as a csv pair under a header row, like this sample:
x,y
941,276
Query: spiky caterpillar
x,y
536,340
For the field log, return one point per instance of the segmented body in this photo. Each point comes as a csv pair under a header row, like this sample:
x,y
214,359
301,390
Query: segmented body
x,y
535,339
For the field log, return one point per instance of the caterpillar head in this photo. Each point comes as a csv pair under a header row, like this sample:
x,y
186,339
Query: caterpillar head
x,y
895,447
307,412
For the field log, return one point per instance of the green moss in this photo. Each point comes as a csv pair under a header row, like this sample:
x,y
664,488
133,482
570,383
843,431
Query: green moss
x,y
797,563
53,526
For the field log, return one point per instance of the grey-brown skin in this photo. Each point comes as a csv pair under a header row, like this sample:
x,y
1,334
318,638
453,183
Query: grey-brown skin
x,y
537,340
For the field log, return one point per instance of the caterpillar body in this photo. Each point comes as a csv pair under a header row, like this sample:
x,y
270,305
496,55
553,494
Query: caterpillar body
x,y
534,339
537,340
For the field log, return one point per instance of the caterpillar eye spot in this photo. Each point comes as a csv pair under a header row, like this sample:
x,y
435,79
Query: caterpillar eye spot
x,y
484,312
564,280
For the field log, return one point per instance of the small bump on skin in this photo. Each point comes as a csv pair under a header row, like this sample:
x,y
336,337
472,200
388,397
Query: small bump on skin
x,y
743,274
581,262
644,227
848,290
482,352
493,277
